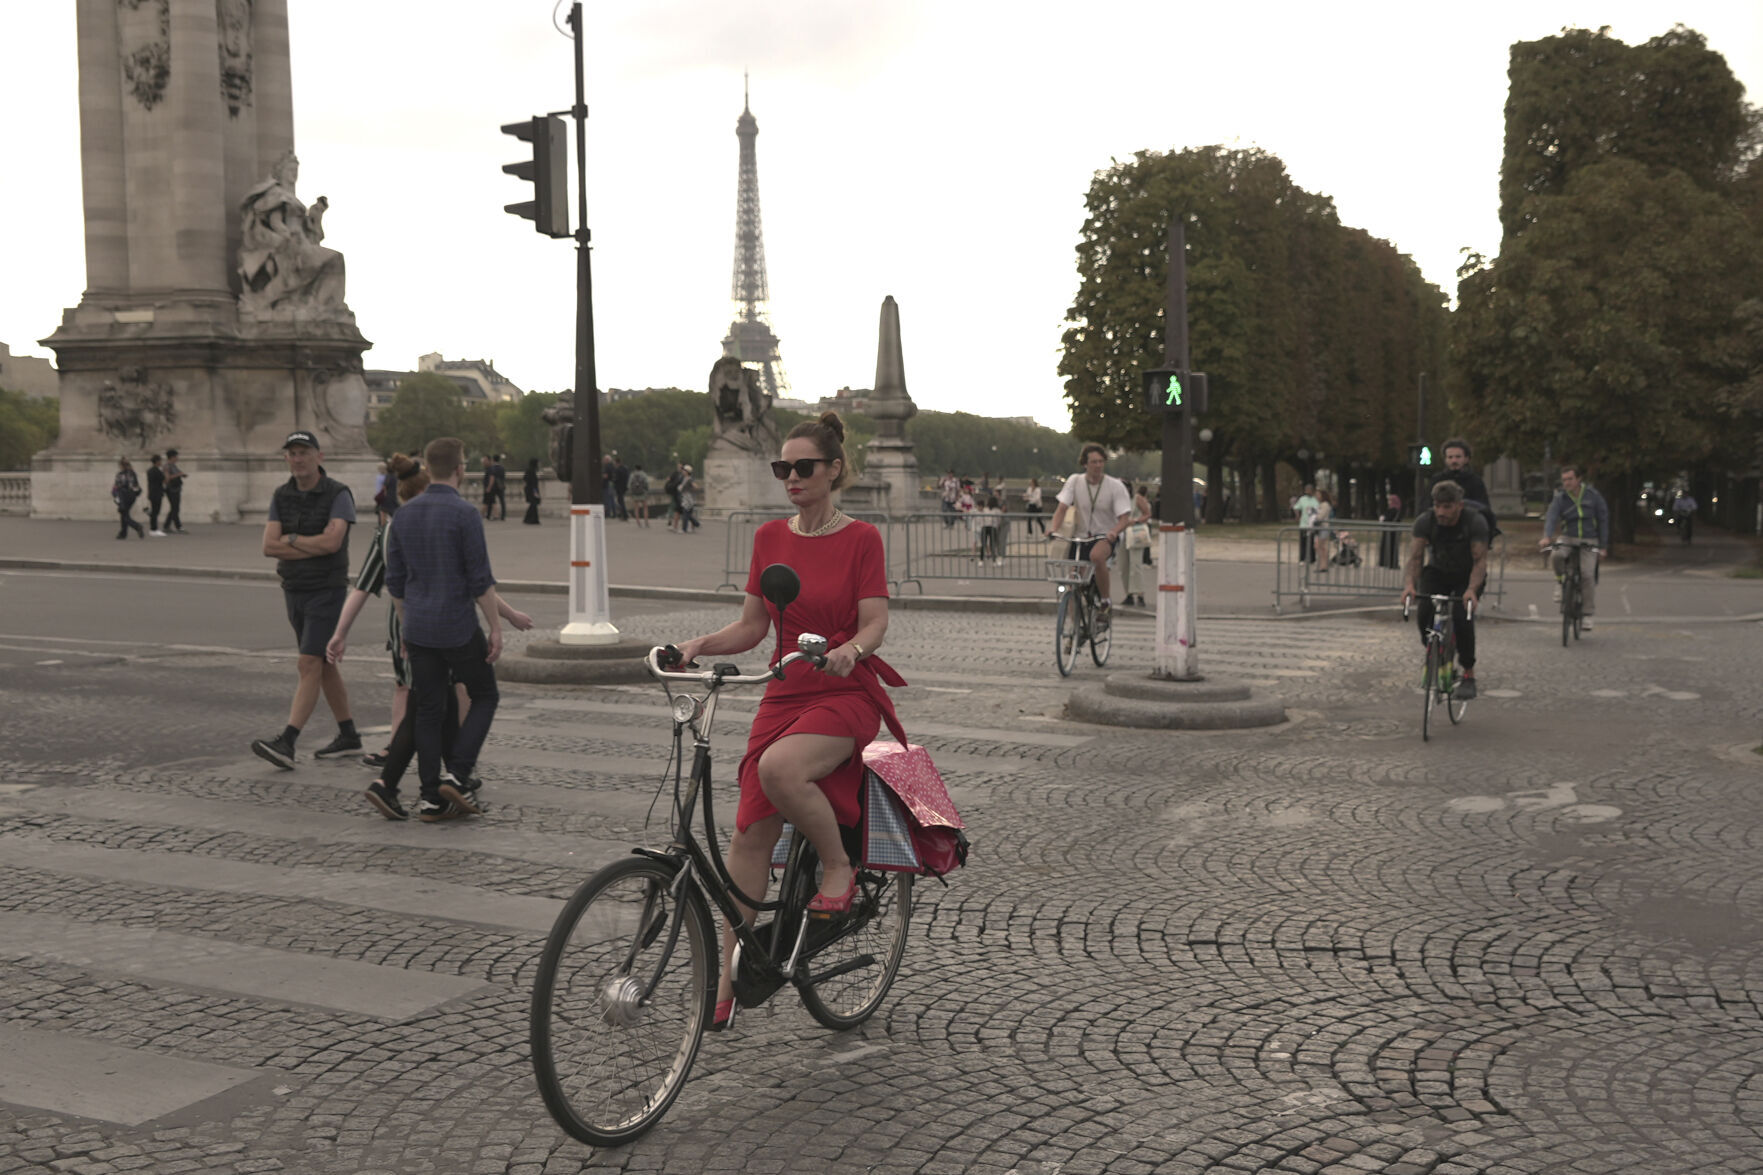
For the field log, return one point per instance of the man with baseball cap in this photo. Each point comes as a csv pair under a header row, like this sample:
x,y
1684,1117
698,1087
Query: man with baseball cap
x,y
308,536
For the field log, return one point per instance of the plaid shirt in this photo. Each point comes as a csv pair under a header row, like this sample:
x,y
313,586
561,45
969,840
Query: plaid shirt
x,y
437,563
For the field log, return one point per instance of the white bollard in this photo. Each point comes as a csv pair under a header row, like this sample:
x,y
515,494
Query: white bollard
x,y
1178,655
590,608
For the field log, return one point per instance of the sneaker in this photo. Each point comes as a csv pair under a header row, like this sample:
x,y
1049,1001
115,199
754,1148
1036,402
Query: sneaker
x,y
158,534
341,745
375,759
432,811
457,794
386,800
469,784
1465,689
1555,597
277,750
1585,624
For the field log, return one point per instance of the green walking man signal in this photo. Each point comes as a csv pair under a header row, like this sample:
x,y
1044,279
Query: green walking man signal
x,y
1420,455
1175,390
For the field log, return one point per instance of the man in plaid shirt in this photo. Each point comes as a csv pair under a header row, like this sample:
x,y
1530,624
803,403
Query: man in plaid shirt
x,y
437,567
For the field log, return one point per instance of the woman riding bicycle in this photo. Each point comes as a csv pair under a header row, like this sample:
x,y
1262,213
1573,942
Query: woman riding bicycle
x,y
804,760
1103,507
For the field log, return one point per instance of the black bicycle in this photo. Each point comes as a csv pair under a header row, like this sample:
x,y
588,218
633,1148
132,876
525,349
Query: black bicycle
x,y
1440,681
1079,621
1572,587
626,985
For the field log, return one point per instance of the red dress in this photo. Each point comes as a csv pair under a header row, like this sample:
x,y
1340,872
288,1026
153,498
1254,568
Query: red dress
x,y
837,570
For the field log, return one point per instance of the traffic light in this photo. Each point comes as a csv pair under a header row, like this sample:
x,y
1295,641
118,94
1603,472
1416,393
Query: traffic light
x,y
1420,455
1167,389
548,170
1170,389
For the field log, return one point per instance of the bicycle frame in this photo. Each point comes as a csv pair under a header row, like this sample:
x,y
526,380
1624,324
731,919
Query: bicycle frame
x,y
700,863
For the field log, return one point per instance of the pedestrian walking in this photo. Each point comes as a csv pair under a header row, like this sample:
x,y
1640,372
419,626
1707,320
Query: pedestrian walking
x,y
437,566
174,493
688,501
155,495
671,486
1031,505
489,478
529,488
950,488
609,486
125,489
1389,546
621,481
308,536
500,472
639,494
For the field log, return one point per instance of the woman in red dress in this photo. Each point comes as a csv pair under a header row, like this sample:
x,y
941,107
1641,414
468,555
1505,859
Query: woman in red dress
x,y
804,760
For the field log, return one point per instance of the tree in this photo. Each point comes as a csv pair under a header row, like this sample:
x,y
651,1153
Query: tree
x,y
1582,97
427,406
646,429
523,429
28,425
1613,329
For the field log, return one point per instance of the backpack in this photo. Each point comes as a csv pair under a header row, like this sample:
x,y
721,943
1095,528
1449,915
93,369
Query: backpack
x,y
671,485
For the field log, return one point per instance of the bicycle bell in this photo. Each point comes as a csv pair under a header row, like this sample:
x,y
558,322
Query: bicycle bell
x,y
814,646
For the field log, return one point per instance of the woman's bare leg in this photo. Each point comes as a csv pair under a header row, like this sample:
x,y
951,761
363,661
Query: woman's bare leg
x,y
787,771
749,863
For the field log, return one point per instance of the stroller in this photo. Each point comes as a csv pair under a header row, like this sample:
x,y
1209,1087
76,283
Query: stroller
x,y
1346,550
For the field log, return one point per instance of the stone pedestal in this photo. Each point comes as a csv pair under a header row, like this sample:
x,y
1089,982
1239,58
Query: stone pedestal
x,y
893,464
737,478
225,394
555,663
1130,699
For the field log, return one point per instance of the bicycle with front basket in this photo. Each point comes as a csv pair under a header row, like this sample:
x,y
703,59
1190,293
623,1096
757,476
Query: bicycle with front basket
x,y
1441,680
1080,603
626,984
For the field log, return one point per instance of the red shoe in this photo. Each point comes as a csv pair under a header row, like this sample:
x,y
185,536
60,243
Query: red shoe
x,y
821,906
725,1015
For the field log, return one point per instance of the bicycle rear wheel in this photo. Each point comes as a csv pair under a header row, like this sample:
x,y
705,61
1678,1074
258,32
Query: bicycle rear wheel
x,y
1065,633
621,1001
1431,691
1578,608
849,965
1101,638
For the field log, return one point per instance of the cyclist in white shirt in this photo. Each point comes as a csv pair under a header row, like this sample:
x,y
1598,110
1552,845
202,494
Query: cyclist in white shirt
x,y
1103,508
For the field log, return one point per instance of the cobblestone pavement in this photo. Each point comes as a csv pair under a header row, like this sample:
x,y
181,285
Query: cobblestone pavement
x,y
1534,944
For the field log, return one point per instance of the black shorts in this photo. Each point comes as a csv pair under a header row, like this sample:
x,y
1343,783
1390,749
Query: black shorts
x,y
1080,549
314,615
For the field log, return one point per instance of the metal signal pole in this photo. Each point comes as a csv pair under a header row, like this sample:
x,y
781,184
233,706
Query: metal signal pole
x,y
1178,657
590,610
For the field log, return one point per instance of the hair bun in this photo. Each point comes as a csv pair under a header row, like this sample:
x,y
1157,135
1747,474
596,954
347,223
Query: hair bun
x,y
831,420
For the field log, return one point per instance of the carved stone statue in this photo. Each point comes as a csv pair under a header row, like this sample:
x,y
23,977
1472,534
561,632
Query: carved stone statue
x,y
282,263
561,418
134,409
742,407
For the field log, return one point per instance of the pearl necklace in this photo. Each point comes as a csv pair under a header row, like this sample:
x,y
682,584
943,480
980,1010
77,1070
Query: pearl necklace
x,y
826,527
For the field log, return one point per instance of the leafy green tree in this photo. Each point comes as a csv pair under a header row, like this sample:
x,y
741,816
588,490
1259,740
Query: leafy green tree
x,y
646,429
427,406
523,429
1614,328
1582,97
28,425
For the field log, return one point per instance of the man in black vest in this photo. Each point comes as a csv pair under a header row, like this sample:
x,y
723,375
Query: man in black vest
x,y
308,537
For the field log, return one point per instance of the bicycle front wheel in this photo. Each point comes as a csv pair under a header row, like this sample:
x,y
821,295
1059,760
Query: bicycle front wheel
x,y
851,964
621,1001
1065,634
1101,640
1568,606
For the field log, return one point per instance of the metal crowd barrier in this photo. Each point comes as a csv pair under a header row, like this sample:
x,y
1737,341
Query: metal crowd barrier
x,y
920,546
1314,564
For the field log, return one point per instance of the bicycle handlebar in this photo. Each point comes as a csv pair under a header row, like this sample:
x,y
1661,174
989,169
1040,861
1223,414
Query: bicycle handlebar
x,y
1468,608
718,675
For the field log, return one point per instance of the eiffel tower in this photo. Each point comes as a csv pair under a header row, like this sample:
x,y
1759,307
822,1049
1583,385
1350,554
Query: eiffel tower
x,y
749,337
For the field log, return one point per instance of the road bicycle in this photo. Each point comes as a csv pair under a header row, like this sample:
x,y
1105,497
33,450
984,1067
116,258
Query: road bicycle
x,y
627,982
1078,620
1572,586
1441,680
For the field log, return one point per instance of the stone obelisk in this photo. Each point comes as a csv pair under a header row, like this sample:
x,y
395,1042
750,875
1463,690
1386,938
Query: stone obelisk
x,y
890,458
213,318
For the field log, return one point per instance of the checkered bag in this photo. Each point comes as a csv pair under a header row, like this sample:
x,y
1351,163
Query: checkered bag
x,y
909,823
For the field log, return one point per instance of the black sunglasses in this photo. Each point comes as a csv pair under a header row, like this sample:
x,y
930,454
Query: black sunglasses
x,y
804,468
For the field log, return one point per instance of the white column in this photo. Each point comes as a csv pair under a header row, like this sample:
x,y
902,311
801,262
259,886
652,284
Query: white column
x,y
1178,656
590,606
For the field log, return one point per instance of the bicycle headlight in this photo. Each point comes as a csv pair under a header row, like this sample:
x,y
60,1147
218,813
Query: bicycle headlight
x,y
684,708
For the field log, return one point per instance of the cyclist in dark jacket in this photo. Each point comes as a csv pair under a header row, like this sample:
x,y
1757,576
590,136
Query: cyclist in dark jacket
x,y
1458,540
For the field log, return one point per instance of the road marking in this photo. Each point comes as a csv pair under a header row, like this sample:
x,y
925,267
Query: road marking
x,y
433,899
78,1076
1559,798
945,689
263,973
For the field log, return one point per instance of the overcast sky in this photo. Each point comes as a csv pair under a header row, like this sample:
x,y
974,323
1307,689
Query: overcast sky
x,y
935,151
